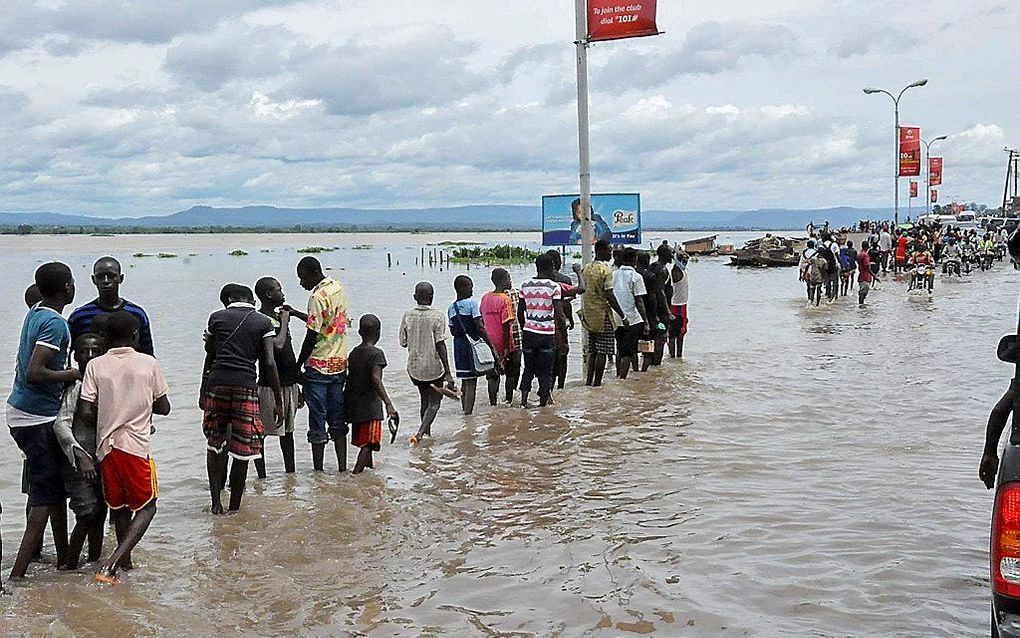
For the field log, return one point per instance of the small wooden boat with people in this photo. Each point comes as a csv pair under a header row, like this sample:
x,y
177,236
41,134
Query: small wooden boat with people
x,y
770,251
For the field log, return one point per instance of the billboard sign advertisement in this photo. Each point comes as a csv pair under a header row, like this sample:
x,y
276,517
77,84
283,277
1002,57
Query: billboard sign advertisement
x,y
616,217
913,189
615,20
910,151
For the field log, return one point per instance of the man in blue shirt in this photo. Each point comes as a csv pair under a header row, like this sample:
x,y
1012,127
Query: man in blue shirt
x,y
39,378
107,276
601,228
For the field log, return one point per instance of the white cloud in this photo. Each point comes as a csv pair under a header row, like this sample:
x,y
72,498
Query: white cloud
x,y
119,107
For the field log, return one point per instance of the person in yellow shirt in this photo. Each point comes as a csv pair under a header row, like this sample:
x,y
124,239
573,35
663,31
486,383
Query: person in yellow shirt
x,y
324,357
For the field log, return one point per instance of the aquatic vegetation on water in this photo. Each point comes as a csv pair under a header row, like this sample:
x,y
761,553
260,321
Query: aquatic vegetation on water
x,y
141,255
503,254
166,255
238,253
314,250
363,247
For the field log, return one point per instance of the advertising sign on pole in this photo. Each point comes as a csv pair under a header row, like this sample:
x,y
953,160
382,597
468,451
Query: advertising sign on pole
x,y
934,196
614,217
913,189
615,20
935,170
910,151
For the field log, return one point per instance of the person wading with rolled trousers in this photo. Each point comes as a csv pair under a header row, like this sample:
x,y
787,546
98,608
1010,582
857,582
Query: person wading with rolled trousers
x,y
237,338
39,377
324,357
597,307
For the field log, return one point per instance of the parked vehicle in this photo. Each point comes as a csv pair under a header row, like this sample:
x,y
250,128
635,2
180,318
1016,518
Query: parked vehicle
x,y
1004,551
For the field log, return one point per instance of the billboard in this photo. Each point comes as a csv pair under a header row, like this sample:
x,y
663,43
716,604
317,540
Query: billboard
x,y
910,151
615,20
913,189
616,217
935,170
934,196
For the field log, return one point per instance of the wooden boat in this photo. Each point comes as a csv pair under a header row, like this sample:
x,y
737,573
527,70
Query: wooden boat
x,y
701,246
770,251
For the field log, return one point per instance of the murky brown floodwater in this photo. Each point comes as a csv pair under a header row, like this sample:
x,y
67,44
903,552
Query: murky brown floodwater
x,y
805,472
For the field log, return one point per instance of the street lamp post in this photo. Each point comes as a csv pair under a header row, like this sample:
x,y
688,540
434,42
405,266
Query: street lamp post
x,y
927,180
896,164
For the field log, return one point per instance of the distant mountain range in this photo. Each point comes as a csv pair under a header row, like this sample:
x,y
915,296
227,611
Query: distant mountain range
x,y
463,218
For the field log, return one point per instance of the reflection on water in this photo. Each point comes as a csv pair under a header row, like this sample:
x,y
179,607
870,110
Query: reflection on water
x,y
806,471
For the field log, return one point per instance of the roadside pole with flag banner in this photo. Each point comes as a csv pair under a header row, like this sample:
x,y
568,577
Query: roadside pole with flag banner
x,y
596,21
913,194
934,196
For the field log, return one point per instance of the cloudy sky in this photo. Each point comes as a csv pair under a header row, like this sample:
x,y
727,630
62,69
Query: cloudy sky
x,y
123,107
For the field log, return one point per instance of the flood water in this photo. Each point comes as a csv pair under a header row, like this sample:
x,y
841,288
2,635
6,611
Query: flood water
x,y
803,472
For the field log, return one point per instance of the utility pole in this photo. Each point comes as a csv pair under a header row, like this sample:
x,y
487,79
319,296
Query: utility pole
x,y
583,146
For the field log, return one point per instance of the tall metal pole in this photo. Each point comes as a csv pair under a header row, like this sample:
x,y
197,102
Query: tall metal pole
x,y
581,41
896,165
927,177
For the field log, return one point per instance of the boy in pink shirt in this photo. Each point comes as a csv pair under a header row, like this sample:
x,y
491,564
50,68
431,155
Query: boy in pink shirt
x,y
120,392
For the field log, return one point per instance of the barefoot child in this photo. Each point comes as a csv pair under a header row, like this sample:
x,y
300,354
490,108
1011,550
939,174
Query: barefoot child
x,y
79,445
423,333
120,392
365,393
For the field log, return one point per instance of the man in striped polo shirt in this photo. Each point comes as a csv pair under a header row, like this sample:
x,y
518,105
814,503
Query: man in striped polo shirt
x,y
540,312
107,277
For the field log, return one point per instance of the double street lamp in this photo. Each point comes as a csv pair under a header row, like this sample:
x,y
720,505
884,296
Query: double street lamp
x,y
896,164
927,181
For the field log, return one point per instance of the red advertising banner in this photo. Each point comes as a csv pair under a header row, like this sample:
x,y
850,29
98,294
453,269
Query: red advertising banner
x,y
957,208
935,170
618,19
913,189
910,151
934,196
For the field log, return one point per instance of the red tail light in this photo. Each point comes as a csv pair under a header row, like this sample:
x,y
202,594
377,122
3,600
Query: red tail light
x,y
1005,555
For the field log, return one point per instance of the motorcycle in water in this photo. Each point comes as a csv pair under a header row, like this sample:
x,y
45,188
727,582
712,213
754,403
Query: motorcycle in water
x,y
986,259
951,267
922,278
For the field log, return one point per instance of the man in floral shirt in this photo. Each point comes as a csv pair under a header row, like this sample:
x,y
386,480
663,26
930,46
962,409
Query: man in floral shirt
x,y
324,356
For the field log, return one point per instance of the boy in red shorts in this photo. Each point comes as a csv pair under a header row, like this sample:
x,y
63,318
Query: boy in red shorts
x,y
120,392
365,393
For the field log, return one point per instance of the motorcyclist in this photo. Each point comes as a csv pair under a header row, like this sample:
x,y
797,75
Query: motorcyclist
x,y
952,255
987,250
923,264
